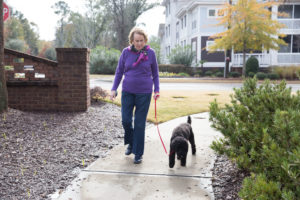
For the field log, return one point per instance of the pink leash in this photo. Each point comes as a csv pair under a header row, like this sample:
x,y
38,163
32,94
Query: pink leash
x,y
159,131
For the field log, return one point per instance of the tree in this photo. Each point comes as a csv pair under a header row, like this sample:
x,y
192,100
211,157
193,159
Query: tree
x,y
63,10
154,43
123,15
3,88
251,28
20,34
182,55
88,30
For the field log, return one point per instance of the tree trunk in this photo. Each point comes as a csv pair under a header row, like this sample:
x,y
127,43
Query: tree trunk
x,y
3,88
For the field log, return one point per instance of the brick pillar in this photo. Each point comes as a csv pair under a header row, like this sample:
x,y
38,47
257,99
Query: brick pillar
x,y
73,83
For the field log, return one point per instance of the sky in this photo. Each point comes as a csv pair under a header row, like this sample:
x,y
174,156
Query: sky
x,y
41,13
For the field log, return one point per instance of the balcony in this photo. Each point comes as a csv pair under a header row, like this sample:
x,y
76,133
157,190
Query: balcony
x,y
290,24
264,59
288,58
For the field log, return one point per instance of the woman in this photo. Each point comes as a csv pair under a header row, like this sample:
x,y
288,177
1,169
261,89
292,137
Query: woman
x,y
139,66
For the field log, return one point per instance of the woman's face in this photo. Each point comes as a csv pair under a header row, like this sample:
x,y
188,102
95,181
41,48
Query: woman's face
x,y
138,41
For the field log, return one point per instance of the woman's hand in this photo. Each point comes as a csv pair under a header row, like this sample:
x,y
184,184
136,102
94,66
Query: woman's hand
x,y
156,95
113,95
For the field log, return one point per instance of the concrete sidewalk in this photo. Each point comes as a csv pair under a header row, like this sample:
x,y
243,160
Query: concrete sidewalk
x,y
116,177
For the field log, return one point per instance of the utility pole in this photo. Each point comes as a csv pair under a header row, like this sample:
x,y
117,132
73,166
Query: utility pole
x,y
3,88
228,51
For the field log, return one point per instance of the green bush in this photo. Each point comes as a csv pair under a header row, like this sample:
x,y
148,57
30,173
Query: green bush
x,y
234,74
273,76
183,74
261,75
257,187
261,133
208,73
174,68
50,53
219,74
104,60
182,55
252,65
251,74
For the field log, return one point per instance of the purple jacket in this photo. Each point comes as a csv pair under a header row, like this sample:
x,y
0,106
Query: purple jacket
x,y
138,78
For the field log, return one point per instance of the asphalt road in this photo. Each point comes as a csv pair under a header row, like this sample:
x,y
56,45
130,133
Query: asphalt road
x,y
107,84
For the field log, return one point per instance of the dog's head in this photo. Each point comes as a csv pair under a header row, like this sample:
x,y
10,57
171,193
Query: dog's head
x,y
180,147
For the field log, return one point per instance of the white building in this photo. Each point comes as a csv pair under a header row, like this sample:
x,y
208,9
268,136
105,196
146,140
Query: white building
x,y
192,22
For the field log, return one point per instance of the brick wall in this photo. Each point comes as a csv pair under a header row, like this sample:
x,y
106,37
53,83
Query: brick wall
x,y
39,84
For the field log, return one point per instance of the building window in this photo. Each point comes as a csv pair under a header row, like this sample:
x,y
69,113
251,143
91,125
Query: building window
x,y
293,44
287,9
181,23
169,28
286,48
194,24
166,31
213,13
209,43
296,44
184,20
177,32
184,43
297,11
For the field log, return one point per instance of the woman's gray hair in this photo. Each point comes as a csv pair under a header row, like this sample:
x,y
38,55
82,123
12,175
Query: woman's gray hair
x,y
137,31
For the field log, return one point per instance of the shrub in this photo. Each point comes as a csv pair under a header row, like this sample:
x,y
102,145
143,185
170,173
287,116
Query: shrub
x,y
261,75
50,53
261,133
252,65
182,55
183,74
273,76
251,74
97,93
104,60
208,73
258,187
234,74
16,44
286,72
219,74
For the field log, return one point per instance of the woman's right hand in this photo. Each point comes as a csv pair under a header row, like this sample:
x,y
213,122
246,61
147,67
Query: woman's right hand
x,y
113,95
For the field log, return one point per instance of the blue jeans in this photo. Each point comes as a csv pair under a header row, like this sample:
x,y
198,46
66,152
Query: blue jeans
x,y
135,135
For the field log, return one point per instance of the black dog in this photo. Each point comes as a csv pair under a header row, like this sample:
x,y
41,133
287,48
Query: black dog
x,y
179,143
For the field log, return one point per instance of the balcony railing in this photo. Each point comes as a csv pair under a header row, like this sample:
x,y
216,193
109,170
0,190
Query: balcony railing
x,y
290,23
288,58
264,60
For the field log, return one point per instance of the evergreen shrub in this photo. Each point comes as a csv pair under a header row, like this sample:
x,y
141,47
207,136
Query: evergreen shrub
x,y
234,74
261,75
219,74
273,76
182,55
251,74
208,73
252,65
261,129
104,60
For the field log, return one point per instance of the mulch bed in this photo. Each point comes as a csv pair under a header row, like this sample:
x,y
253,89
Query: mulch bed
x,y
41,153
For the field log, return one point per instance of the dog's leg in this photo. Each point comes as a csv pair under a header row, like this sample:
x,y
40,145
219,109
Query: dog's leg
x,y
172,158
192,141
183,160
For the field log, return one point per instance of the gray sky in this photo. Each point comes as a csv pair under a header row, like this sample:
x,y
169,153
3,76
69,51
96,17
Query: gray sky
x,y
41,13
